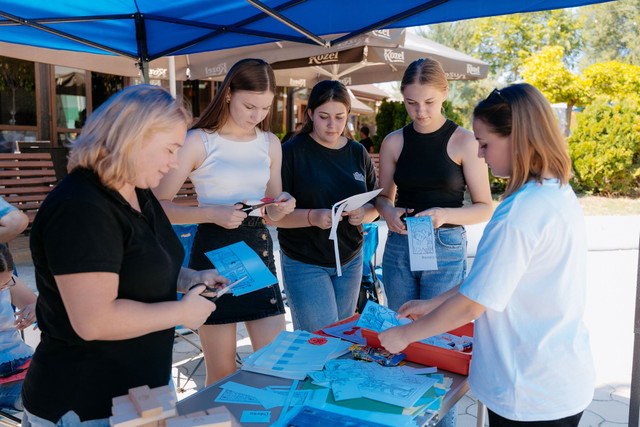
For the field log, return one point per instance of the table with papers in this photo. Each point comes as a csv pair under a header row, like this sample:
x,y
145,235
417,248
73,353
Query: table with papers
x,y
206,398
302,375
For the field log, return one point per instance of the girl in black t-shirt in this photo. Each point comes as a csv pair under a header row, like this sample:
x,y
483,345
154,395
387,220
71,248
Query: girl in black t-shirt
x,y
321,167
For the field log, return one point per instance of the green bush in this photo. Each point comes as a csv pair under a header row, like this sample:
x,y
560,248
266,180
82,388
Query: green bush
x,y
392,116
605,148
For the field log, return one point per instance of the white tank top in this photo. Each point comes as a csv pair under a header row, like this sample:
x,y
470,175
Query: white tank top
x,y
232,171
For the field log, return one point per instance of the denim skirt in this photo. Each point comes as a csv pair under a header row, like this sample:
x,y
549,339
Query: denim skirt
x,y
254,305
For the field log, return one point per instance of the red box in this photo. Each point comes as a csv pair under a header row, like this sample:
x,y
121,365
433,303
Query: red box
x,y
425,354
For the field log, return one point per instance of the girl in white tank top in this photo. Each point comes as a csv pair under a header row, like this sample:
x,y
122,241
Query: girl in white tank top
x,y
231,157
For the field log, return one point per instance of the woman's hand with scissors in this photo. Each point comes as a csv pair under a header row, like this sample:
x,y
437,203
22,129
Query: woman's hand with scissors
x,y
282,206
227,216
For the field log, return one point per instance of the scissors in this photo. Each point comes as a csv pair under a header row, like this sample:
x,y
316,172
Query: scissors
x,y
404,216
248,208
219,292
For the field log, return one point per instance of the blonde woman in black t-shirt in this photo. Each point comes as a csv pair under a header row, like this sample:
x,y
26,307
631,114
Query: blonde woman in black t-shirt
x,y
108,265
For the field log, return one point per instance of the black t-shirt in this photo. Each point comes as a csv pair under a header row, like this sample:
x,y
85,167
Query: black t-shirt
x,y
318,177
368,143
84,227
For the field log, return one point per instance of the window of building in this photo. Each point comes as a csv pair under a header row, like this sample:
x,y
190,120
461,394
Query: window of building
x,y
18,111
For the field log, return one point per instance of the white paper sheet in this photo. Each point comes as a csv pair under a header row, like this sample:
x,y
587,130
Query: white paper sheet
x,y
346,205
422,244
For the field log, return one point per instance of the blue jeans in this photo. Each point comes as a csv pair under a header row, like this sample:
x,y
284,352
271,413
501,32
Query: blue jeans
x,y
10,393
401,284
70,419
316,295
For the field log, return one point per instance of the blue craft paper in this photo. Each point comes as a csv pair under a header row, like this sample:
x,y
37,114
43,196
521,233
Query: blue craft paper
x,y
255,417
239,260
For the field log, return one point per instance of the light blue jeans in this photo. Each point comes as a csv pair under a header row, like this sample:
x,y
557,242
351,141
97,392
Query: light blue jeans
x,y
401,284
316,295
70,419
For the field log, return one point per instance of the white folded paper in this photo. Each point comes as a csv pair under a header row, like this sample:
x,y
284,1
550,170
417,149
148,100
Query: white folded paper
x,y
346,205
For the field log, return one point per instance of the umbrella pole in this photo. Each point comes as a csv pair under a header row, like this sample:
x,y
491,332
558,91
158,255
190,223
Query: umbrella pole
x,y
172,75
144,71
634,404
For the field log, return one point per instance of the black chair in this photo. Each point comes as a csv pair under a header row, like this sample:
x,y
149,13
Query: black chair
x,y
371,287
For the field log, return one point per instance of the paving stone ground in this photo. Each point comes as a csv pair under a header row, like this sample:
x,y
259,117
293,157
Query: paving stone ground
x,y
612,275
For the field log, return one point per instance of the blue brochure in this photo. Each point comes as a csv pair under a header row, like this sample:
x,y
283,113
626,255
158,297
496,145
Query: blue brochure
x,y
239,260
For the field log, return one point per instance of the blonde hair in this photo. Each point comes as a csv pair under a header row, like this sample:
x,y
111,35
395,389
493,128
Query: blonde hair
x,y
425,71
538,148
114,133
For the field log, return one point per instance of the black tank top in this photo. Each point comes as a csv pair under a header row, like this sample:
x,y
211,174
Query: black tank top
x,y
425,175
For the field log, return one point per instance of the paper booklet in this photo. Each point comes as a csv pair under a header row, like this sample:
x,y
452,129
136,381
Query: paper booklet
x,y
346,205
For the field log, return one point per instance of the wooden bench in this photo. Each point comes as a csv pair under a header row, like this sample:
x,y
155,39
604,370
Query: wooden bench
x,y
375,158
26,179
186,196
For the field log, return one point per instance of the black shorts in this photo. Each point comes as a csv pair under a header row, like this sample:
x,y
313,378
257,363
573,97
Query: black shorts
x,y
254,305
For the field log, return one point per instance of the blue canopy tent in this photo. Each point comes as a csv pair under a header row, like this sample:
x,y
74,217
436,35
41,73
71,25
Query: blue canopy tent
x,y
144,30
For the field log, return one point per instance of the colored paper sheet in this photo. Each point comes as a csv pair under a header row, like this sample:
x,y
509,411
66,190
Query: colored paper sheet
x,y
352,379
337,416
379,318
422,244
267,398
347,331
255,417
239,260
294,354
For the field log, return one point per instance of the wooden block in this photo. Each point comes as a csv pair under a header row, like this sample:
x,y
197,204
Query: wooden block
x,y
222,410
145,401
124,408
124,399
125,420
134,420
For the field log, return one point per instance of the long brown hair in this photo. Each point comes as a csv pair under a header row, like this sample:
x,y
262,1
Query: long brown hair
x,y
250,74
538,148
6,259
323,92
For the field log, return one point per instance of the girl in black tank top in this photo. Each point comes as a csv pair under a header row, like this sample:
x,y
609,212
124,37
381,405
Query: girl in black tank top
x,y
431,162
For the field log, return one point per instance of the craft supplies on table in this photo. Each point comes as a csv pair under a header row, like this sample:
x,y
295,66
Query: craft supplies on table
x,y
376,318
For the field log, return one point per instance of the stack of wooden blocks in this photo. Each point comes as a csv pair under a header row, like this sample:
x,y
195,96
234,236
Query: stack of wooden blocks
x,y
147,407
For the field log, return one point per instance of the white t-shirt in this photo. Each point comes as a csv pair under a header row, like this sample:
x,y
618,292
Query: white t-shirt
x,y
531,356
232,171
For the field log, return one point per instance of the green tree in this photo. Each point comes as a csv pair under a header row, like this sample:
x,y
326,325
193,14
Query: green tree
x,y
546,71
613,32
505,42
612,79
16,74
605,147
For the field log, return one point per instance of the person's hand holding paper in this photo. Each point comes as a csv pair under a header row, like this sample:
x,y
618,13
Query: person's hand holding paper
x,y
351,204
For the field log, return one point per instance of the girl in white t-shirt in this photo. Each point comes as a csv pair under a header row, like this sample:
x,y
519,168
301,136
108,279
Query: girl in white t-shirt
x,y
526,290
231,157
